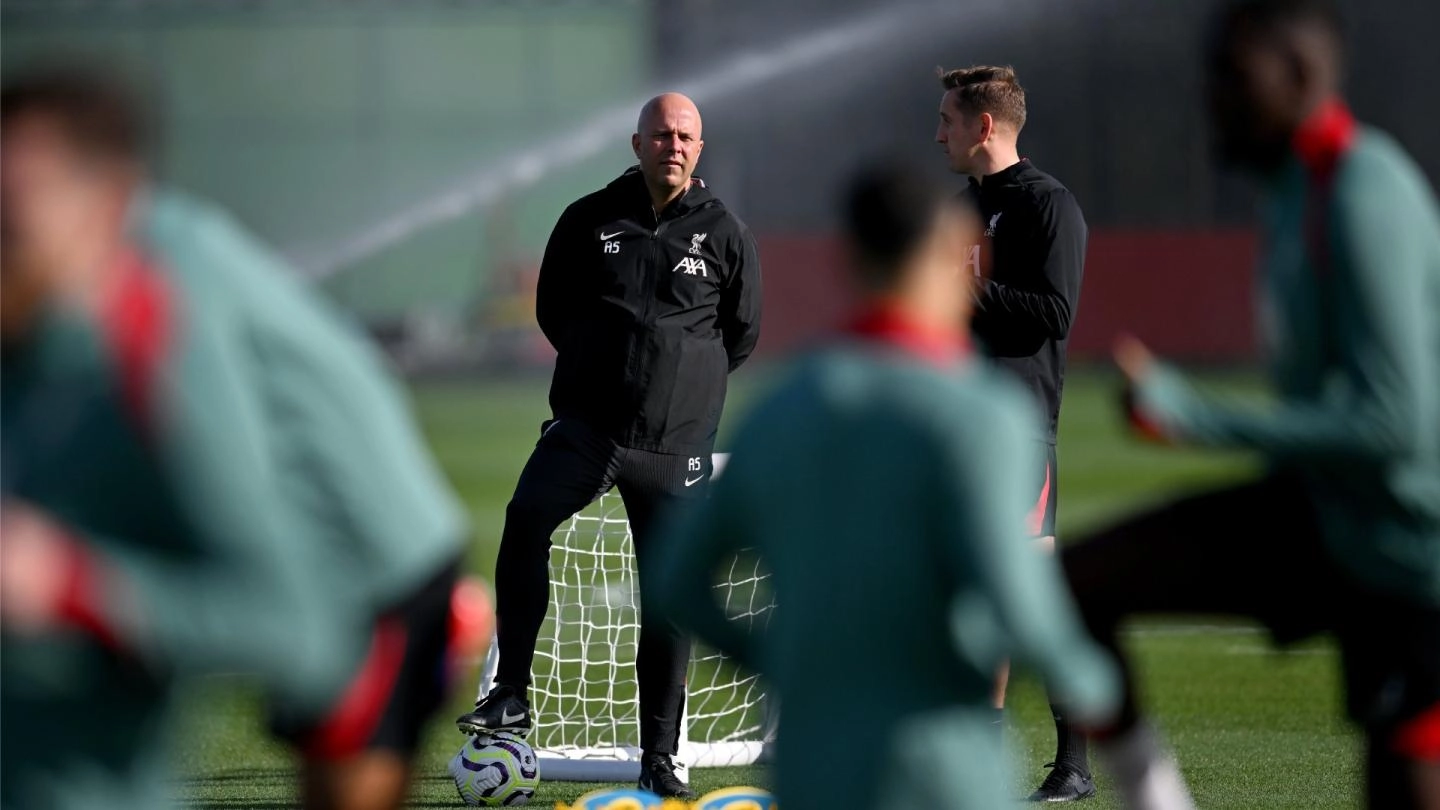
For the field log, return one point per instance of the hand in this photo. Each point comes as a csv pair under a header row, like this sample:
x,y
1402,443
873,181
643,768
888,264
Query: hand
x,y
1137,364
1134,359
472,626
37,563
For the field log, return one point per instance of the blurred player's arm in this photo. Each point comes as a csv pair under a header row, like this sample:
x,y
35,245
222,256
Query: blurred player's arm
x,y
1048,308
240,600
559,289
698,537
49,578
1374,409
985,490
739,314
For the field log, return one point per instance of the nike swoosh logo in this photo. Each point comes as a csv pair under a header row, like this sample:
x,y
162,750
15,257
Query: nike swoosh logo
x,y
507,718
605,236
690,483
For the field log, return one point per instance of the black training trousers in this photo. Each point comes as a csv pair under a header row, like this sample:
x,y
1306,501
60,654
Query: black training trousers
x,y
571,467
1257,551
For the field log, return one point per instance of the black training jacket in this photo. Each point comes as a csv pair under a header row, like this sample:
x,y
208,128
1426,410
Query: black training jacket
x,y
648,314
1034,251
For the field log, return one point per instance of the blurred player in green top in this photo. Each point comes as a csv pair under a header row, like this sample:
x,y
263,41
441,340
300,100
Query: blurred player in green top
x,y
1343,533
885,483
203,470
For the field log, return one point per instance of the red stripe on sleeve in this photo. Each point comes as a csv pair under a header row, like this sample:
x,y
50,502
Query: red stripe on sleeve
x,y
138,321
348,729
1036,520
82,602
1140,422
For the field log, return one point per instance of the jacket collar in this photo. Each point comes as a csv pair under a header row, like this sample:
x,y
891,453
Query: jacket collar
x,y
1006,176
632,184
886,324
1323,139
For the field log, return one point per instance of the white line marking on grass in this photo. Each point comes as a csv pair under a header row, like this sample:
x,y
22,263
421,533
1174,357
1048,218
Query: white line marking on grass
x,y
1267,650
1260,646
1195,630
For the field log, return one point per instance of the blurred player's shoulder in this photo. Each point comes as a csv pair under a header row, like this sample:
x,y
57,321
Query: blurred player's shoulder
x,y
863,384
195,236
986,398
227,271
332,385
1380,162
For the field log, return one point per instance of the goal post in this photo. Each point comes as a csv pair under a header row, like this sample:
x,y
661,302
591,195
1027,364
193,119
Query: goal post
x,y
584,692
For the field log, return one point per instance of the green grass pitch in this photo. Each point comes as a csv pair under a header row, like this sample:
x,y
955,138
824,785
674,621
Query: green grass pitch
x,y
1253,728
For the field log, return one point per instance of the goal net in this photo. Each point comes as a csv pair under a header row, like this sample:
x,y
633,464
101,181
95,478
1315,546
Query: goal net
x,y
584,693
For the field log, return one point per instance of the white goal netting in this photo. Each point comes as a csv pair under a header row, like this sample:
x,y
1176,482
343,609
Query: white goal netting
x,y
585,694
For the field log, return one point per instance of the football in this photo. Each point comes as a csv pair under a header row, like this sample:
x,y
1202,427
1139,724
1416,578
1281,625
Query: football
x,y
497,770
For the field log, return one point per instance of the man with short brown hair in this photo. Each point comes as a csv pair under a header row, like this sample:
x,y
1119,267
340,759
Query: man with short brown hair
x,y
984,89
1026,269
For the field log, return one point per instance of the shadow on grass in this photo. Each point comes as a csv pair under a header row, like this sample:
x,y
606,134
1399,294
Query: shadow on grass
x,y
217,791
249,775
240,789
239,804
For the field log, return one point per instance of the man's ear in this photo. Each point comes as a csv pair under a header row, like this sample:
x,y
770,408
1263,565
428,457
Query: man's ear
x,y
635,145
987,126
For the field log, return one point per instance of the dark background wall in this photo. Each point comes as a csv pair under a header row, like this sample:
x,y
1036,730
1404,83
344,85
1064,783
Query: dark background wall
x,y
321,121
1114,100
1115,111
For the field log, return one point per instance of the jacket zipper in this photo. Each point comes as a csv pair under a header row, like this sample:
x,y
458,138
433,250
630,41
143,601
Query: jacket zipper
x,y
646,282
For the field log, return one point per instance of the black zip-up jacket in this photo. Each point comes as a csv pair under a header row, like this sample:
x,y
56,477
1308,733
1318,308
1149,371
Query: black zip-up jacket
x,y
648,314
1034,249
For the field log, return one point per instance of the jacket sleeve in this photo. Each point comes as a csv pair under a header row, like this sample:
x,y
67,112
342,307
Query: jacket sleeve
x,y
1387,371
986,485
739,315
1046,307
239,600
558,293
697,538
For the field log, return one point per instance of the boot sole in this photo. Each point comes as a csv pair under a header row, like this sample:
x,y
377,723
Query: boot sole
x,y
473,729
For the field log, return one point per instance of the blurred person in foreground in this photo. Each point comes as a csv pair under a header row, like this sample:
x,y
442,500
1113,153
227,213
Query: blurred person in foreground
x,y
204,470
1026,267
650,293
1343,533
926,566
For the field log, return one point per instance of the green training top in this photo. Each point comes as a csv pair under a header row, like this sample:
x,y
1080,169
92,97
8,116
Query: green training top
x,y
240,470
1351,280
887,496
349,452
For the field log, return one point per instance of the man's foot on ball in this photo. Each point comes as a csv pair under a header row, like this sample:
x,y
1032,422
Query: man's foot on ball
x,y
1065,783
657,775
501,710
